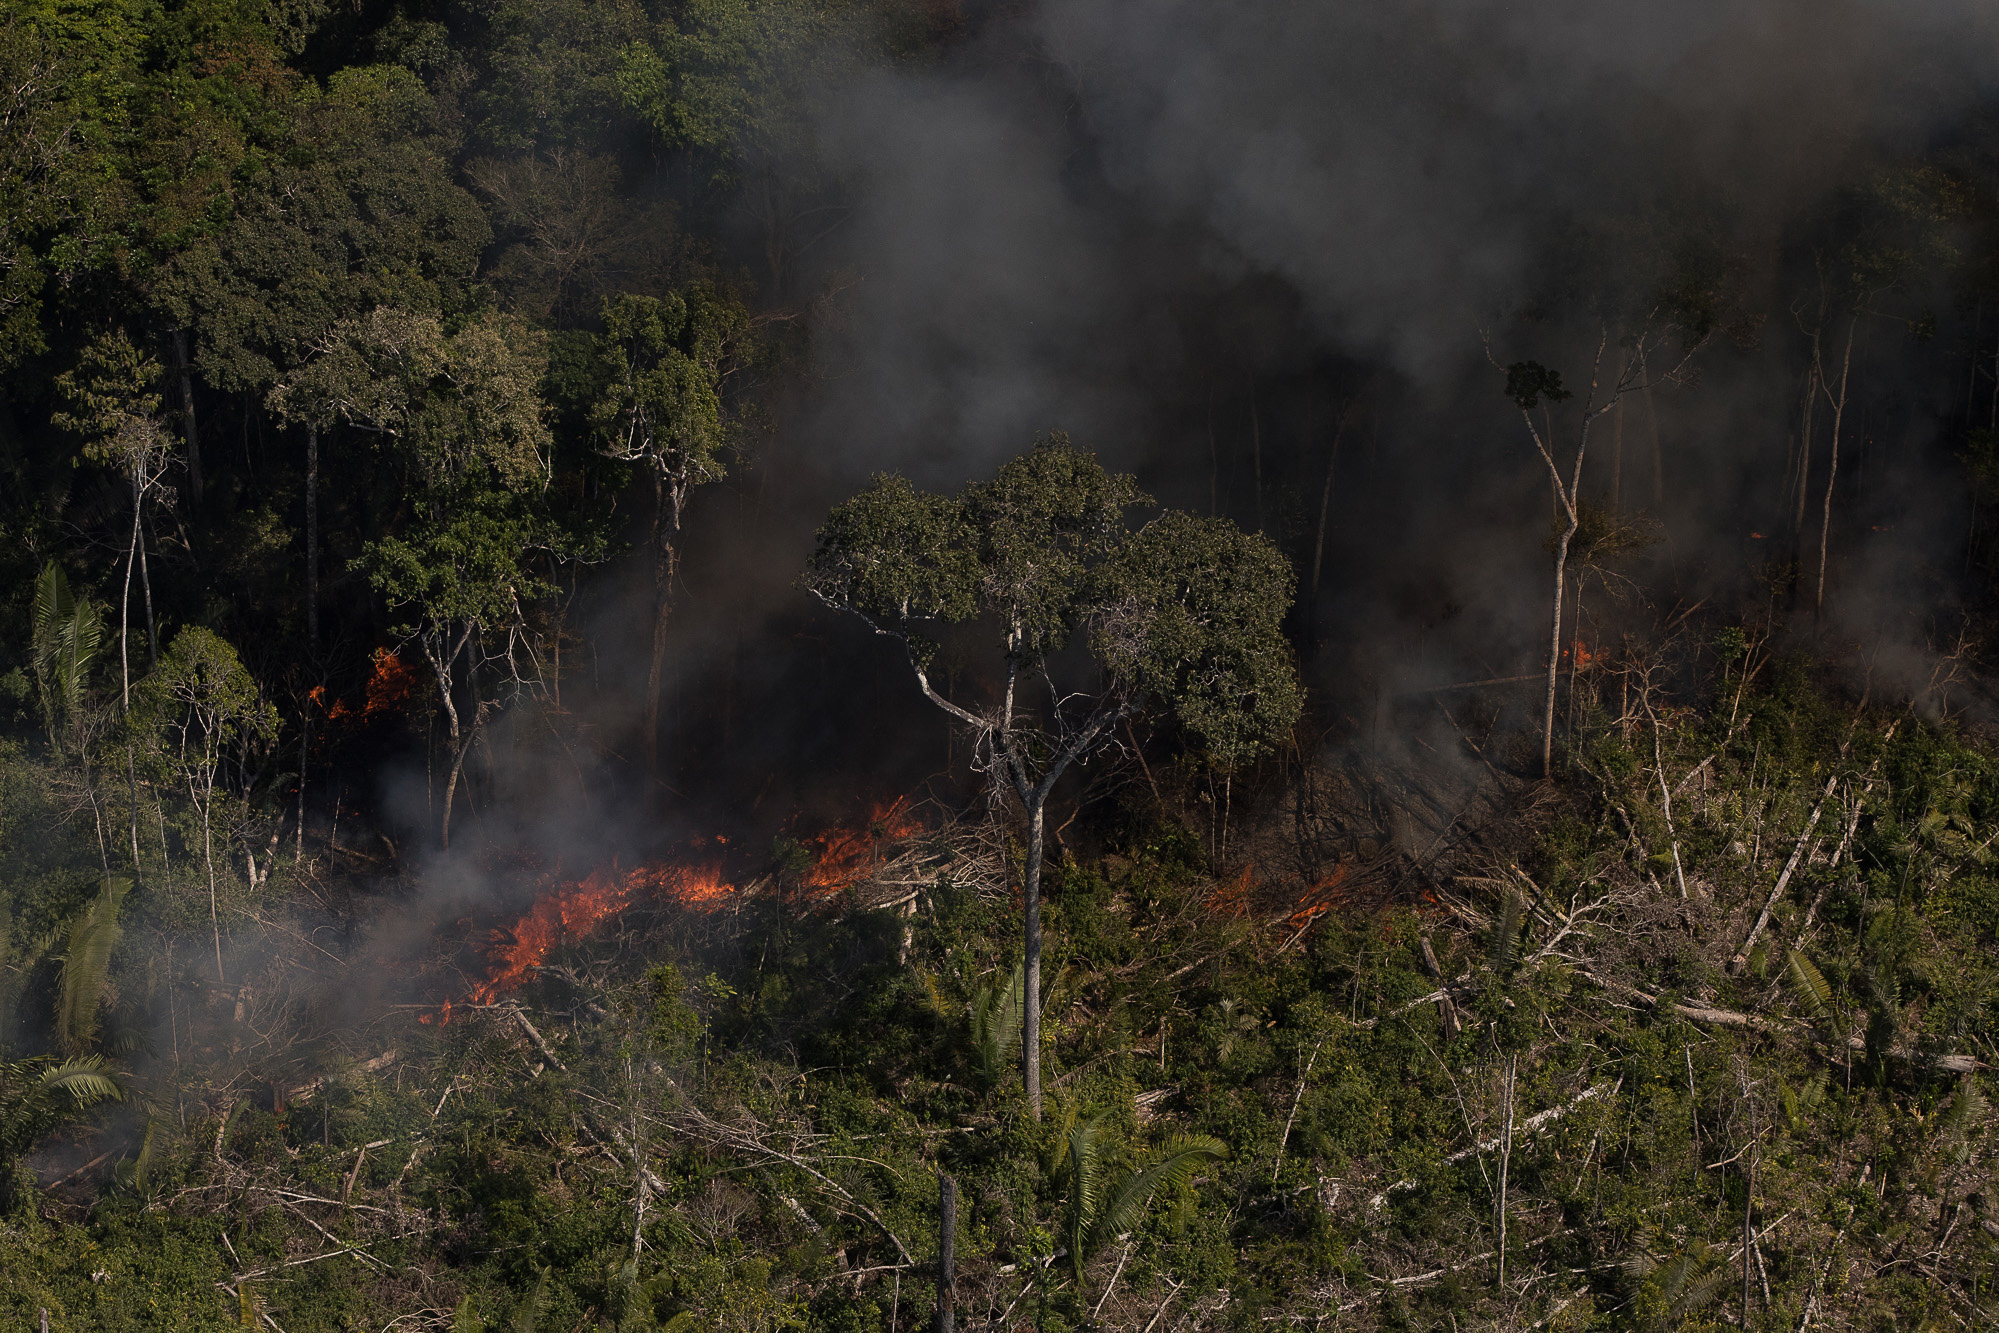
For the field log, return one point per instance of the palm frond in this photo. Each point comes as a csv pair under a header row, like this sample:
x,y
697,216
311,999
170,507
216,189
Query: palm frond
x,y
67,634
1085,1176
149,1148
83,1080
1809,984
1965,1112
527,1315
997,1014
1169,1167
93,934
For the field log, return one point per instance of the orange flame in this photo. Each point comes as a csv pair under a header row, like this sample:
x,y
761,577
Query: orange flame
x,y
391,687
1233,897
575,910
848,855
1320,898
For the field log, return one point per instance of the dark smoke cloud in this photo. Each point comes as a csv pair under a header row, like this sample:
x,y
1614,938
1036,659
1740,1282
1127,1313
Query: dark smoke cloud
x,y
1131,219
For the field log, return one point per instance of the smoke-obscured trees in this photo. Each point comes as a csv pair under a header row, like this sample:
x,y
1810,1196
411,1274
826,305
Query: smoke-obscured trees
x,y
662,409
201,705
462,415
1182,613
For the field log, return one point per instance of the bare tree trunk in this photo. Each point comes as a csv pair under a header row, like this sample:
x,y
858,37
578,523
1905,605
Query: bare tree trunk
x,y
187,416
1326,495
1658,451
1555,644
1832,468
1030,1040
125,670
461,738
947,1253
1617,461
312,537
666,568
1505,1160
146,586
1805,459
208,856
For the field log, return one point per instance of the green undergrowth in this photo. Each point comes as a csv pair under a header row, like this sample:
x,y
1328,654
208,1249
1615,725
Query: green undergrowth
x,y
750,1135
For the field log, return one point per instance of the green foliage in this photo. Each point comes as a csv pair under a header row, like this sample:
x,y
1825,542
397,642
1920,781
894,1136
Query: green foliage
x,y
1185,611
996,1017
457,401
665,361
1808,984
67,635
1105,1202
1529,382
86,964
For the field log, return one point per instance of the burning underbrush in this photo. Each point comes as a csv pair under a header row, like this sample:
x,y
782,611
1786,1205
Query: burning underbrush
x,y
881,861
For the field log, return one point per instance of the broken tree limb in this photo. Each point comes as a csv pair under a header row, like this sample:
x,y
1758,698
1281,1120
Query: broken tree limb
x,y
547,1051
1447,1012
1805,840
1531,1125
1699,1013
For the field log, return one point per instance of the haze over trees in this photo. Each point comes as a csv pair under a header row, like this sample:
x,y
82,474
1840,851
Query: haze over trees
x,y
469,859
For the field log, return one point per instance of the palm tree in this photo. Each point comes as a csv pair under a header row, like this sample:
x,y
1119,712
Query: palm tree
x,y
36,1096
1106,1202
996,1024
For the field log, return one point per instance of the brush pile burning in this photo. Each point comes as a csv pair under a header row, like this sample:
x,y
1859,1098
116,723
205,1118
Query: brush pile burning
x,y
884,862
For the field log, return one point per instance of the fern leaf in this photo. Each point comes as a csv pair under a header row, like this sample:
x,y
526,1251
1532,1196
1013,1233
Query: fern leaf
x,y
1809,984
465,1319
1170,1166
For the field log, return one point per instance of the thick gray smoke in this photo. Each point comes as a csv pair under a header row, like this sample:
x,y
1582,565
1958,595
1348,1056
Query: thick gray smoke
x,y
1126,218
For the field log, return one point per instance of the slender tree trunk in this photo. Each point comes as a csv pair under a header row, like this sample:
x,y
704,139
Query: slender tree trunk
x,y
1505,1160
1832,467
458,752
1617,461
1030,1041
146,587
304,740
1555,643
665,569
1658,451
187,416
947,1252
125,671
1326,500
208,856
312,538
1805,461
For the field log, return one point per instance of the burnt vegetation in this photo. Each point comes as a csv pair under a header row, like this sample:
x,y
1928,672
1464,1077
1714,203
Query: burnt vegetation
x,y
755,665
